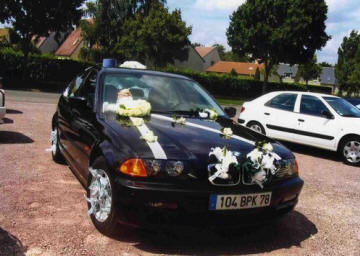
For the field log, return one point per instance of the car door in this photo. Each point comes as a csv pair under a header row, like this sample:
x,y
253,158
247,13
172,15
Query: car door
x,y
315,123
82,123
65,106
279,116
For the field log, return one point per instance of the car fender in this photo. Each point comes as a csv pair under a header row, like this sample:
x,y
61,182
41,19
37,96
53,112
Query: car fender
x,y
103,148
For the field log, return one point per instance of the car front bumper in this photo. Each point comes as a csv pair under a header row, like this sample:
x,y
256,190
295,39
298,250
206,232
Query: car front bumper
x,y
146,204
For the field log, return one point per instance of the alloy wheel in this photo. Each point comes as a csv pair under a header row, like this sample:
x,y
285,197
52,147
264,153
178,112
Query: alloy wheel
x,y
100,195
352,152
256,128
54,141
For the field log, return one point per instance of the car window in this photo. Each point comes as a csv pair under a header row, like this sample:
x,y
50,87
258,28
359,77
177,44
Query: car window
x,y
76,84
312,105
285,101
88,87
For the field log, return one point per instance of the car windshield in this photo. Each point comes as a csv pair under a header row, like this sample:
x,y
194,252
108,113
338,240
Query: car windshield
x,y
165,94
343,107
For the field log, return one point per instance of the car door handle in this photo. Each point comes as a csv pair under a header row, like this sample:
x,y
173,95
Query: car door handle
x,y
301,120
266,113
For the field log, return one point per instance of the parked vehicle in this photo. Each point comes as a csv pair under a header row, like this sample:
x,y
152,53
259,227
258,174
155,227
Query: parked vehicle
x,y
318,120
2,105
354,101
175,166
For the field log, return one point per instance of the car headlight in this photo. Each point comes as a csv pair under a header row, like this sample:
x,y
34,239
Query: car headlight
x,y
174,168
287,168
170,168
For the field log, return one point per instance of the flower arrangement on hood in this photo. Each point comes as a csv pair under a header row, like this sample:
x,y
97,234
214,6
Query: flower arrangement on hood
x,y
133,108
225,158
262,162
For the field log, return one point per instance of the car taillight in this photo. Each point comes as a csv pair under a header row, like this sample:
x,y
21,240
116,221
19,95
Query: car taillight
x,y
242,109
134,167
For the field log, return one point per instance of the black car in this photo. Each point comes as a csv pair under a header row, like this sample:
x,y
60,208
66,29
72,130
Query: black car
x,y
184,163
354,101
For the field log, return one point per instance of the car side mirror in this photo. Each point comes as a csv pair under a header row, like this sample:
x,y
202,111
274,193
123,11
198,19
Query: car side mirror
x,y
327,114
230,111
77,101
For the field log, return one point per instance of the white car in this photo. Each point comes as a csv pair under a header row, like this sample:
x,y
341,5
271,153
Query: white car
x,y
314,119
2,105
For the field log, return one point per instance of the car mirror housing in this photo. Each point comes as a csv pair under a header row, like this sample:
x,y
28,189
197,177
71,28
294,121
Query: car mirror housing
x,y
327,114
77,101
230,111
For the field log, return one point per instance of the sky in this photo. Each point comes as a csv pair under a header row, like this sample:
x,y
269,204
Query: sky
x,y
210,19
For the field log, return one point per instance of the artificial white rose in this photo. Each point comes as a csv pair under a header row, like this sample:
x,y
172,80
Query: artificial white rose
x,y
227,132
137,121
180,120
203,114
217,152
212,113
267,147
149,137
254,155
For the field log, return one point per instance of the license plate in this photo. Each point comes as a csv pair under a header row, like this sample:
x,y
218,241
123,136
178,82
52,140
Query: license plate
x,y
234,202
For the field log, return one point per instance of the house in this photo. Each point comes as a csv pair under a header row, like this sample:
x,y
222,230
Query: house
x,y
242,68
209,54
288,74
4,35
194,62
51,43
72,45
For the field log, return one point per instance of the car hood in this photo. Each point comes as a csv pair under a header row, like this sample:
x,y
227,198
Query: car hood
x,y
192,141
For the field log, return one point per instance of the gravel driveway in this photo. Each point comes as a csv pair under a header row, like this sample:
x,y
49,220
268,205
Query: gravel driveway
x,y
43,210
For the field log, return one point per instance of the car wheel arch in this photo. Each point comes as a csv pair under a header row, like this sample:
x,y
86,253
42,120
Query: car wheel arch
x,y
256,122
344,138
54,121
102,149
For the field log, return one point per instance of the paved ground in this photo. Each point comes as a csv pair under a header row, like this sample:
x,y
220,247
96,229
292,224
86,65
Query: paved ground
x,y
43,211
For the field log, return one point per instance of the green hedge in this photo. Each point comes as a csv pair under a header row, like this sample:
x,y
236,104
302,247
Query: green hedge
x,y
37,71
228,86
49,73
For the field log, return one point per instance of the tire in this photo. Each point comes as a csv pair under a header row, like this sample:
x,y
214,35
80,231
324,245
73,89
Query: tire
x,y
350,150
256,126
109,225
55,149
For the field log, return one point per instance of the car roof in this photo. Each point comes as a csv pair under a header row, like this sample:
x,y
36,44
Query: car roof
x,y
142,72
308,93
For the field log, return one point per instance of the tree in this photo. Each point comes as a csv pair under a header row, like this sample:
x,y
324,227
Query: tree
x,y
347,64
221,50
108,17
325,64
309,70
257,75
160,37
196,45
277,31
38,18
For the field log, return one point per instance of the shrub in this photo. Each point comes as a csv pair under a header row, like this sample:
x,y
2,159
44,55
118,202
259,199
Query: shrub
x,y
228,86
44,70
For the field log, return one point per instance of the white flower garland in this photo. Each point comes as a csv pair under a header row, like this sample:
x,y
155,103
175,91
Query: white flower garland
x,y
180,120
149,137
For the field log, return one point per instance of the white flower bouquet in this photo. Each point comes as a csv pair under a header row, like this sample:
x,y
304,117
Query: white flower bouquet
x,y
134,108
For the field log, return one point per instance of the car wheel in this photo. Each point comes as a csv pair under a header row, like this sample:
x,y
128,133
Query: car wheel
x,y
55,149
350,150
101,199
257,127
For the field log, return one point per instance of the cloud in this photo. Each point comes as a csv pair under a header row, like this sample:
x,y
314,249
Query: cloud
x,y
213,5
